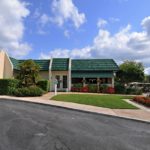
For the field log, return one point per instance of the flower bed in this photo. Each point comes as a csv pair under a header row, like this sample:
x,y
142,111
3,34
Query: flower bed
x,y
92,89
142,100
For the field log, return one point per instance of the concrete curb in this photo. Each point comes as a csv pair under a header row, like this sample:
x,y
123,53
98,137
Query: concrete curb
x,y
79,110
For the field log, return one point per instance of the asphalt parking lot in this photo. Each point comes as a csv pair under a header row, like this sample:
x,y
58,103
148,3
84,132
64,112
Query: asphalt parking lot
x,y
28,126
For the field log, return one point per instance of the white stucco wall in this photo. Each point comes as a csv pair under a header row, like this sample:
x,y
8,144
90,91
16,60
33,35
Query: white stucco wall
x,y
8,68
2,60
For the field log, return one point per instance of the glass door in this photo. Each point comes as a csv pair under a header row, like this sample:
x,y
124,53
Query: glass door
x,y
58,80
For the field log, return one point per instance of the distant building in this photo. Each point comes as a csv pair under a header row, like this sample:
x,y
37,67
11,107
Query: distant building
x,y
67,71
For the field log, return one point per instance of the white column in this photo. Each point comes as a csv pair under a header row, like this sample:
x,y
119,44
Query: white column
x,y
50,75
69,75
112,81
84,82
55,89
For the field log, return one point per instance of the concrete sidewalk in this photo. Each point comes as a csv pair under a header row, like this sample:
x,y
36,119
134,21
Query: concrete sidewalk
x,y
138,114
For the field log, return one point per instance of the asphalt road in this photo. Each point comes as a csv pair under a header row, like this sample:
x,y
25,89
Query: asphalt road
x,y
27,126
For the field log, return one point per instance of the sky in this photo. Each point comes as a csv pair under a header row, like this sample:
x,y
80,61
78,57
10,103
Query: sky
x,y
42,29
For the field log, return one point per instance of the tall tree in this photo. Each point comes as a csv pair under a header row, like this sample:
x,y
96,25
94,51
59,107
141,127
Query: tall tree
x,y
131,71
29,73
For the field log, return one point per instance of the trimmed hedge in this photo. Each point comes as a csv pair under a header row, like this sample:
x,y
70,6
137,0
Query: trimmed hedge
x,y
44,85
7,86
28,91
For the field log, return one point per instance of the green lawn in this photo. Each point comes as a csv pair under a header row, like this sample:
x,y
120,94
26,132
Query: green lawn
x,y
107,101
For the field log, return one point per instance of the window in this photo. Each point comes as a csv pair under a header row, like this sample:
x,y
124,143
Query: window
x,y
91,80
64,81
77,80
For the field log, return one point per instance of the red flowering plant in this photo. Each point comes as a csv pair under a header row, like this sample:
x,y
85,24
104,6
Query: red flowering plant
x,y
142,100
110,90
85,89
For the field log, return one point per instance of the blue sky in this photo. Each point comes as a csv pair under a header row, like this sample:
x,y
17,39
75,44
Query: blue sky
x,y
126,12
118,29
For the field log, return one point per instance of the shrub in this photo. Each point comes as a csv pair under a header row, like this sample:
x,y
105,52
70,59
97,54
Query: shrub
x,y
85,89
73,89
103,88
134,91
120,88
28,91
143,100
110,90
28,73
44,85
92,88
8,86
77,87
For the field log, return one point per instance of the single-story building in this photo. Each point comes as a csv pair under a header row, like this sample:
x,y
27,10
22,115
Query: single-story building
x,y
67,71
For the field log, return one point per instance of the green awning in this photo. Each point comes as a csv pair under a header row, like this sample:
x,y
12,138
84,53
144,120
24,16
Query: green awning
x,y
92,74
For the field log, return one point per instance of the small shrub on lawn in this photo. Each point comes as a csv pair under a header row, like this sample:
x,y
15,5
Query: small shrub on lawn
x,y
28,91
44,85
143,100
7,86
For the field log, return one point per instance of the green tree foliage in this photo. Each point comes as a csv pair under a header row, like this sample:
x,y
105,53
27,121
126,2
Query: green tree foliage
x,y
131,71
29,73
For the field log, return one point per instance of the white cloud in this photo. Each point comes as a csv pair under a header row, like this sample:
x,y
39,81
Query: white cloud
x,y
36,13
65,10
146,24
123,45
113,20
147,70
75,53
44,19
67,34
12,13
101,23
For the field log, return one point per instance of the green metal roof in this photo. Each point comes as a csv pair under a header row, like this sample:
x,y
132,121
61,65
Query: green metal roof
x,y
94,64
92,74
15,63
60,64
43,63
